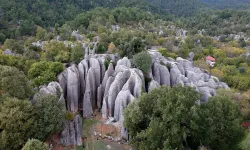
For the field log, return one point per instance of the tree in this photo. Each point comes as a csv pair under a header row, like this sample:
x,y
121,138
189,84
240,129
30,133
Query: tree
x,y
142,61
9,44
111,47
34,144
217,123
14,83
245,144
77,53
135,46
56,51
27,27
50,116
44,72
161,118
16,122
2,38
40,33
169,118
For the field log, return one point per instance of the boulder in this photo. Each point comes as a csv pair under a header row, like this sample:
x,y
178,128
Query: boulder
x,y
115,88
64,136
122,100
91,86
174,75
73,86
78,129
95,65
152,85
72,133
87,105
100,93
108,73
125,62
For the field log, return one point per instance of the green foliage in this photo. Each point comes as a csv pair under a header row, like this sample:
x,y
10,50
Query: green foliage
x,y
161,119
2,38
65,32
14,83
16,46
142,61
40,33
44,72
27,27
135,46
16,122
77,53
70,115
170,119
34,144
165,53
245,144
49,115
217,123
56,51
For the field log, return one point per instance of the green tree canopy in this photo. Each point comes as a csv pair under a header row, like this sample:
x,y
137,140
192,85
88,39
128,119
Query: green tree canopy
x,y
16,122
171,119
77,53
142,61
44,72
217,123
56,51
14,83
50,116
161,119
34,144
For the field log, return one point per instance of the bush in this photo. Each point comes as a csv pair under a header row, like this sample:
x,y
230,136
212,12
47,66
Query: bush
x,y
165,53
14,83
77,53
161,119
142,61
2,38
34,144
217,123
56,51
44,72
49,115
16,123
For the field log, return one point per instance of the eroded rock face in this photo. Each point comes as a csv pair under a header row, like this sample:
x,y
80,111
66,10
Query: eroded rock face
x,y
90,86
73,89
72,133
152,85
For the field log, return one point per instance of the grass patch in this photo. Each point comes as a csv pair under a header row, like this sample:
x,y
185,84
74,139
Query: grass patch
x,y
87,126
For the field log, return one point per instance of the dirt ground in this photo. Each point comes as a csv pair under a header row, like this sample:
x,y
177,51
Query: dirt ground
x,y
92,142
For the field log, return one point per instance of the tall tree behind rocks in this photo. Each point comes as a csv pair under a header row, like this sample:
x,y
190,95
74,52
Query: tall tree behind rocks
x,y
50,116
16,123
14,83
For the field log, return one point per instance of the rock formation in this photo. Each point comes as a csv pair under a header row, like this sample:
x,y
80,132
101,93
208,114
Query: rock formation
x,y
94,84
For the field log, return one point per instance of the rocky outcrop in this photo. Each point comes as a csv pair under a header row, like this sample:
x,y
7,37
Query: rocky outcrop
x,y
93,85
73,89
72,133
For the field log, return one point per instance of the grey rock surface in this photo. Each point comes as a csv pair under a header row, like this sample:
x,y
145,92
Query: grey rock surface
x,y
73,88
152,85
87,105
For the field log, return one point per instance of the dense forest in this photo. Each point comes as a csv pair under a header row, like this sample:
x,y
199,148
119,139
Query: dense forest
x,y
239,4
139,64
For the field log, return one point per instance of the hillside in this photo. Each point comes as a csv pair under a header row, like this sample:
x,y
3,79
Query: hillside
x,y
92,74
221,4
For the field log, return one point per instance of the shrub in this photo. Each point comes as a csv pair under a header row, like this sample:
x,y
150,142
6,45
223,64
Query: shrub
x,y
34,144
44,72
142,61
14,82
49,113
